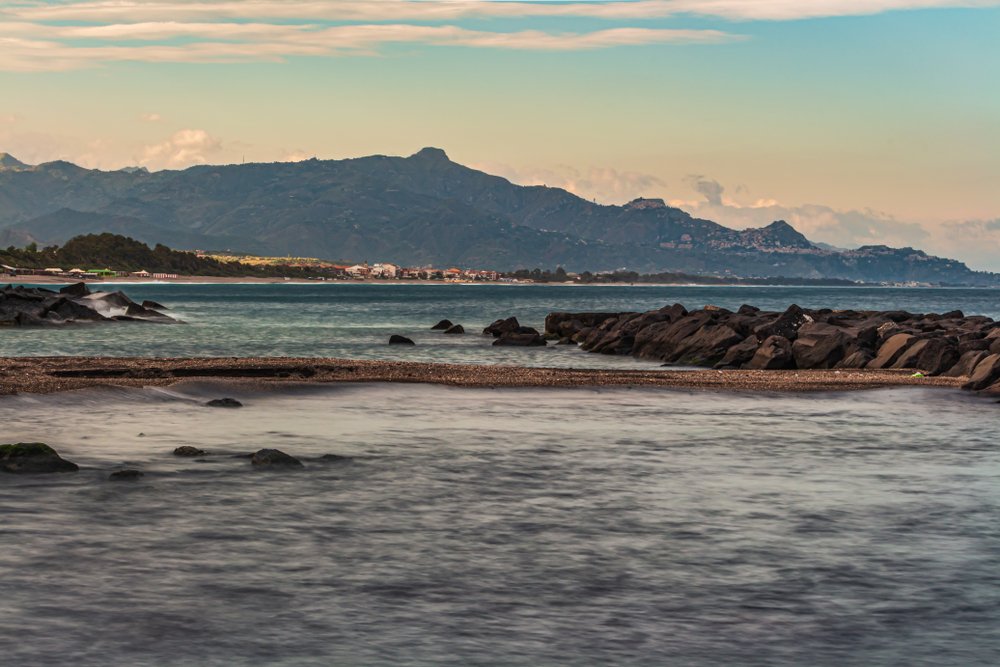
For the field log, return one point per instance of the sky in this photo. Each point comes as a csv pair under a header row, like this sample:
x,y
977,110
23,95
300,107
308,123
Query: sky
x,y
857,121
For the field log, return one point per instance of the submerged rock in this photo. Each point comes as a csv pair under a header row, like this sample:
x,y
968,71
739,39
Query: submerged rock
x,y
33,458
500,327
442,325
224,403
396,339
455,329
189,451
274,458
515,339
128,474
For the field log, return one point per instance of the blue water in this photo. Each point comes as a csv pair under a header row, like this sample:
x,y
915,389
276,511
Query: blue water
x,y
355,320
505,527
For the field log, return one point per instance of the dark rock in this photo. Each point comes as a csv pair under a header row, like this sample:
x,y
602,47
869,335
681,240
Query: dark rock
x,y
565,340
126,475
787,325
442,325
775,353
933,356
33,458
705,347
224,403
856,359
500,327
76,289
455,329
396,339
335,458
985,374
189,451
520,340
152,305
819,346
568,324
274,458
747,309
966,364
891,350
740,353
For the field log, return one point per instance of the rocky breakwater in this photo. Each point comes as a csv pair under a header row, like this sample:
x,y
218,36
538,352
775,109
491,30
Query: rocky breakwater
x,y
950,344
38,307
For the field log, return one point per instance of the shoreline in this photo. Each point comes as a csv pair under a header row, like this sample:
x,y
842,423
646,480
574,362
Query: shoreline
x,y
45,375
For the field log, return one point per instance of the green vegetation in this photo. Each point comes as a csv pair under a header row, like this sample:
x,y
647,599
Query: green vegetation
x,y
121,253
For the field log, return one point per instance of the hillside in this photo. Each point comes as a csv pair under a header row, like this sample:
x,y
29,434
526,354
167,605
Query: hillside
x,y
422,209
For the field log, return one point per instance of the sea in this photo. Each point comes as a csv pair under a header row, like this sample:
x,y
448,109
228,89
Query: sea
x,y
436,525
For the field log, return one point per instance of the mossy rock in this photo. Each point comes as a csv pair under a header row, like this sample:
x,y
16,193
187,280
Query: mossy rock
x,y
33,458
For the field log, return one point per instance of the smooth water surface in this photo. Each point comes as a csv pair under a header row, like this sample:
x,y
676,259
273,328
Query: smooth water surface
x,y
505,527
354,321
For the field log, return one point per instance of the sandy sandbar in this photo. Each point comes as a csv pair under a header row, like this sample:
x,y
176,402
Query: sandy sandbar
x,y
53,374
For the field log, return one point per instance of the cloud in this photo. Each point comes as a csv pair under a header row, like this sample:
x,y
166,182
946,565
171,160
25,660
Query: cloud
x,y
712,190
150,117
450,10
183,149
47,48
294,156
603,184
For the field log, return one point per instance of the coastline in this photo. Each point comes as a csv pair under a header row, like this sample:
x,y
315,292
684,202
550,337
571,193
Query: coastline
x,y
44,375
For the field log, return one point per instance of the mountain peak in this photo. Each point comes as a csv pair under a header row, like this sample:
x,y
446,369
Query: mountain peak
x,y
8,161
431,153
643,203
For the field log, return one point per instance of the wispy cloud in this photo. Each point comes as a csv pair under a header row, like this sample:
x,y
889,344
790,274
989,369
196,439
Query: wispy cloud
x,y
603,184
450,10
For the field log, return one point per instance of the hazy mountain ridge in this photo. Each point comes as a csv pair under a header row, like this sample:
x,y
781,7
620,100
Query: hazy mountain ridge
x,y
422,209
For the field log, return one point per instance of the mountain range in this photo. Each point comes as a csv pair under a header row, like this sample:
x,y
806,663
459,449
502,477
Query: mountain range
x,y
418,210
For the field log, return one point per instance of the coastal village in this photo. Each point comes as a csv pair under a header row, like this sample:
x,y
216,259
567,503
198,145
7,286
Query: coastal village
x,y
324,271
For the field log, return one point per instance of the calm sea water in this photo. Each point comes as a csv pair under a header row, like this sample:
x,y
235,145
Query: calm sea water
x,y
506,527
356,320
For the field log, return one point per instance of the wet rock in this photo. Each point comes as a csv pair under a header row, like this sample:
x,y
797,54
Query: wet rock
x,y
152,305
500,327
985,374
33,458
514,339
455,329
565,340
857,359
224,403
786,326
775,353
189,451
706,347
932,356
126,475
274,458
740,353
76,289
819,346
966,364
396,339
442,325
891,350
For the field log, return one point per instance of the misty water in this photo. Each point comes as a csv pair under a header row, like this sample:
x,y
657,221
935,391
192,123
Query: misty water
x,y
505,527
493,527
355,320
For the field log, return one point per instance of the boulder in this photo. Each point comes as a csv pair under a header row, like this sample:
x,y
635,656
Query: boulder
x,y
76,289
33,458
396,339
966,364
857,359
775,353
739,354
514,339
786,326
568,324
706,346
500,327
442,325
455,329
126,475
224,403
189,451
891,350
933,356
274,458
985,374
152,305
819,346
